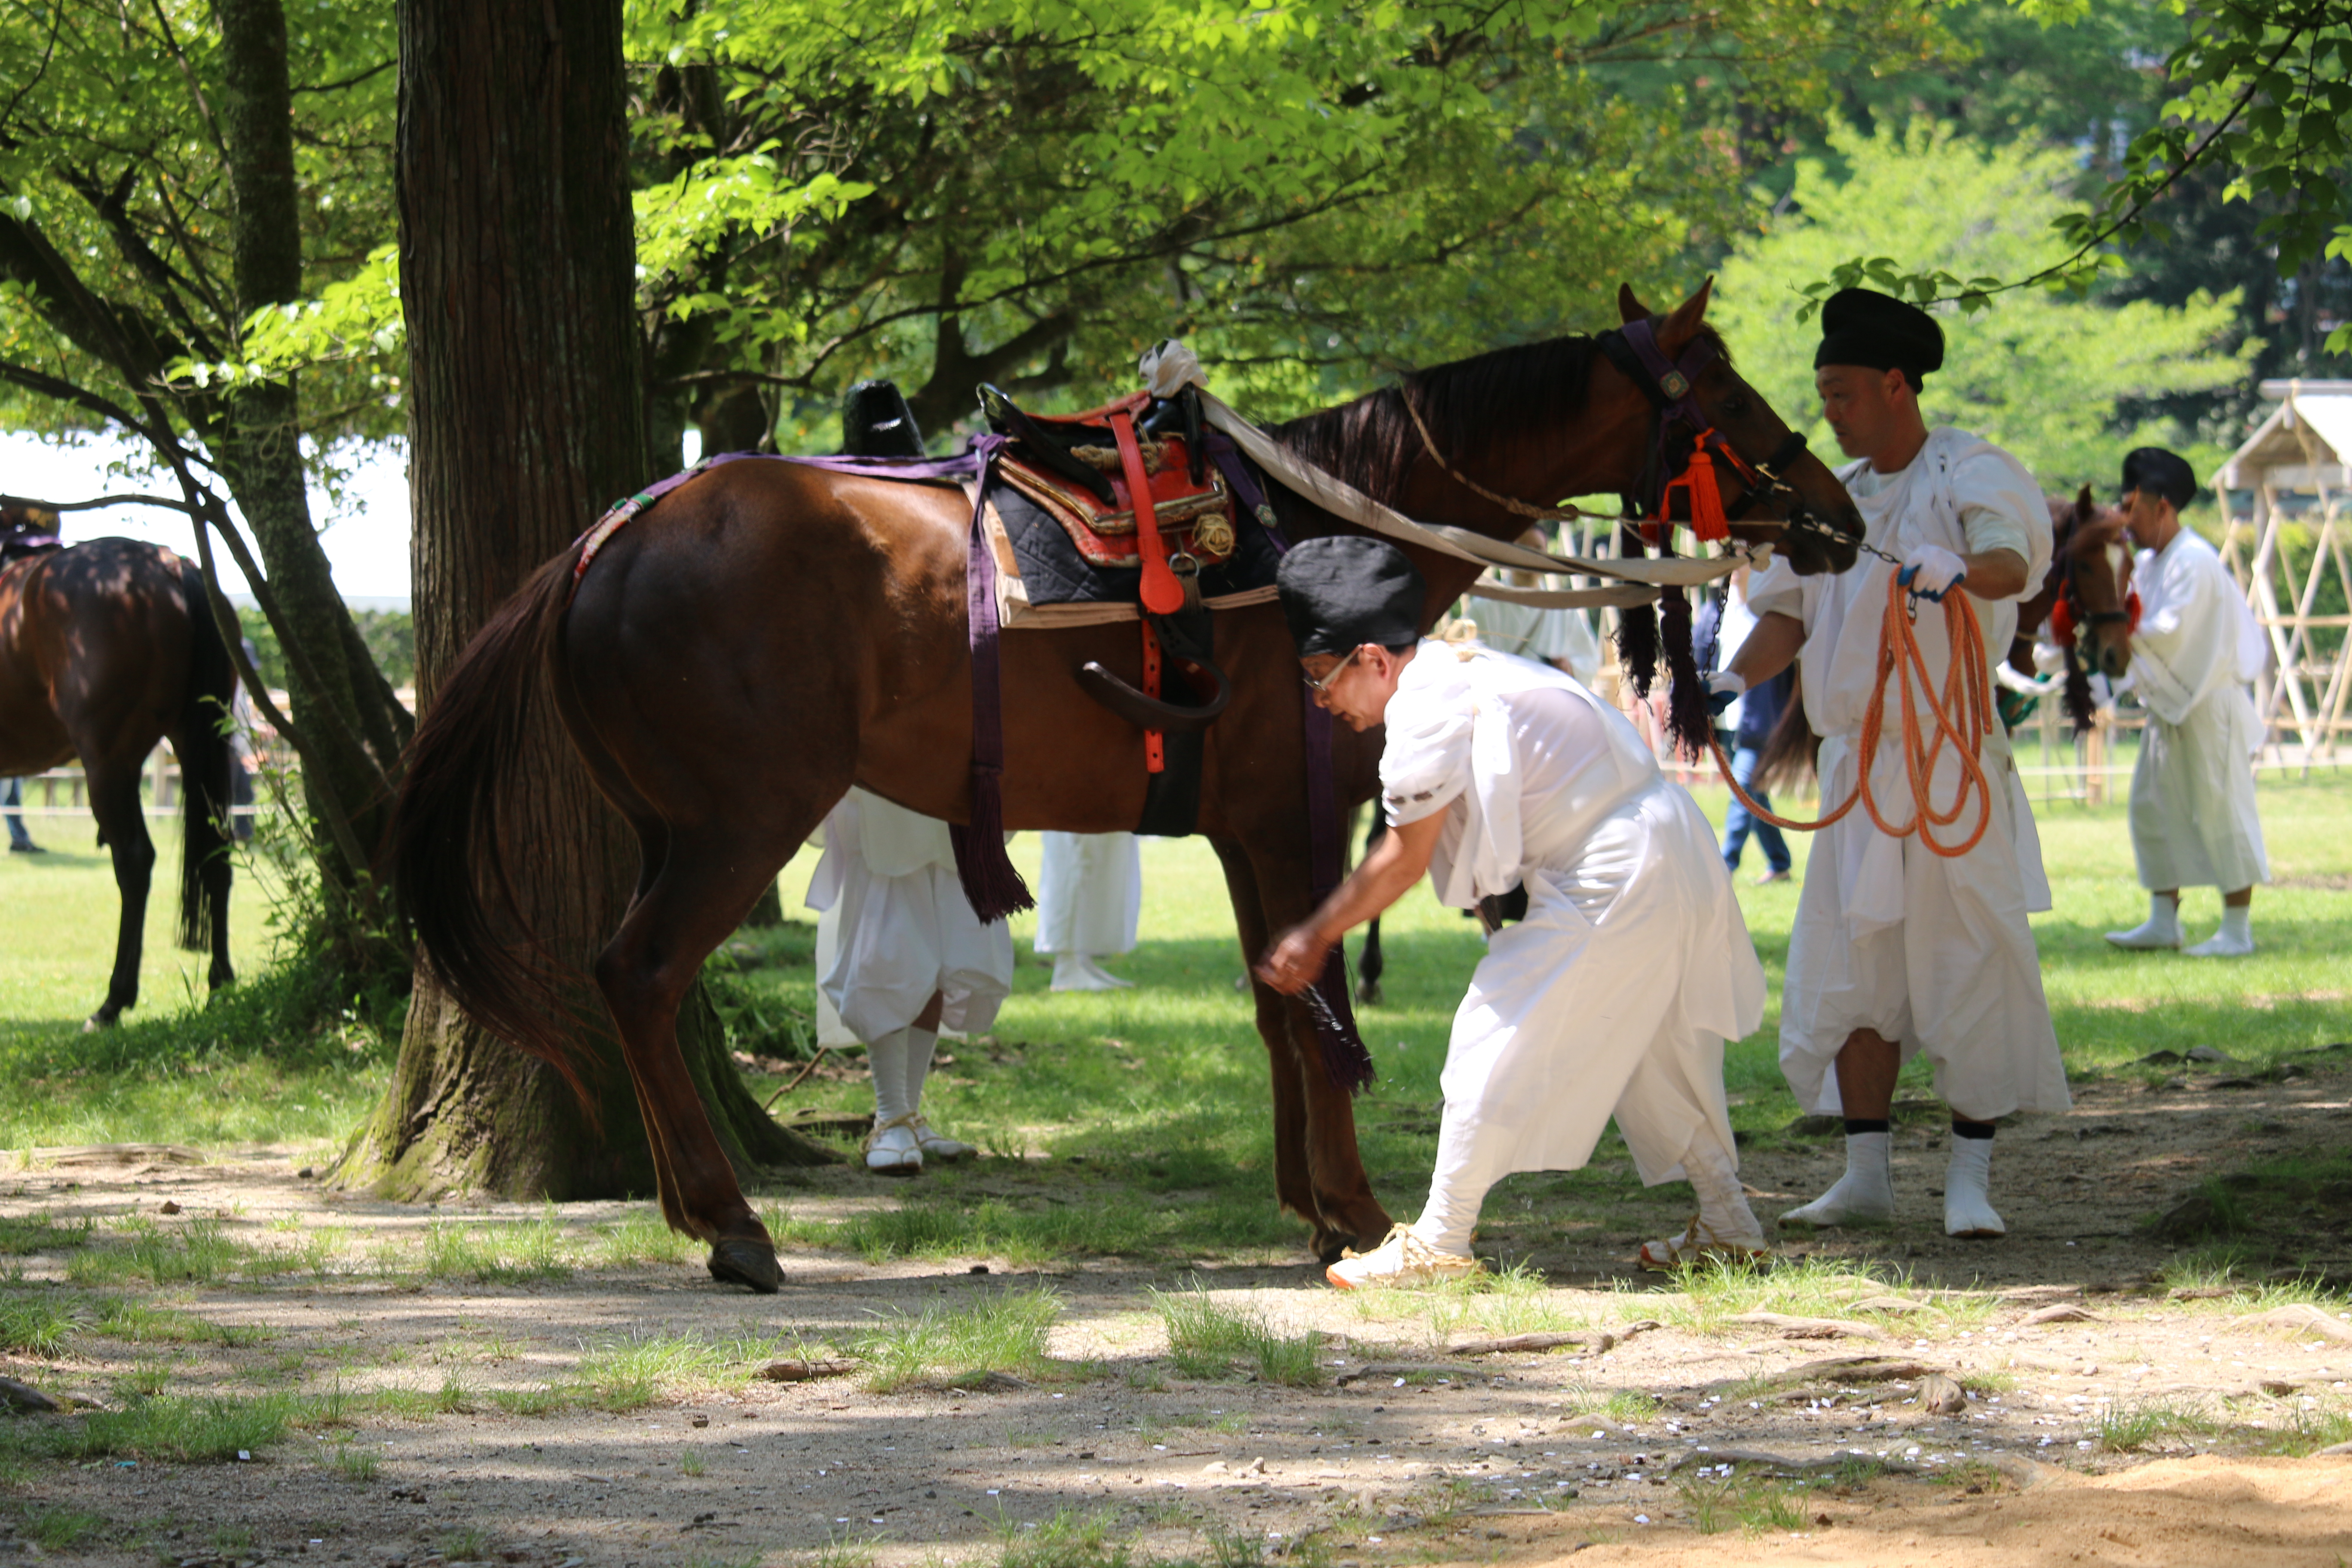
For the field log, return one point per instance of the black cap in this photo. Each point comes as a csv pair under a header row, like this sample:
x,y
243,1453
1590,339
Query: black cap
x,y
1861,326
1341,592
876,423
2161,473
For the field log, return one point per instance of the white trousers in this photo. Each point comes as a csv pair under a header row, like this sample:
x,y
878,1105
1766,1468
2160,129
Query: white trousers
x,y
1089,893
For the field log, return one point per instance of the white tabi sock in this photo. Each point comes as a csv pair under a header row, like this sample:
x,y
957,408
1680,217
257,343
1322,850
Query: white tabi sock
x,y
2161,929
2234,940
1723,1211
1967,1212
889,1147
1865,1193
920,1046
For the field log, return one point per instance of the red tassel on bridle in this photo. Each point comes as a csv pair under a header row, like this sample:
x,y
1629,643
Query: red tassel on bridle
x,y
1699,482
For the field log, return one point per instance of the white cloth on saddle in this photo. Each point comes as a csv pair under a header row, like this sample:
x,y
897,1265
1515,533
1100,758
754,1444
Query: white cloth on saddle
x,y
2193,822
894,927
1089,893
1932,951
1632,966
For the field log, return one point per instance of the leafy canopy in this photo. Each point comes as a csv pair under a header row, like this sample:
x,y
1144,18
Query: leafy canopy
x,y
2048,376
2262,89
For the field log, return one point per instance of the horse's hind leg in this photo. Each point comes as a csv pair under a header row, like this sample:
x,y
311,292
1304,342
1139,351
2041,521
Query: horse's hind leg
x,y
114,801
706,884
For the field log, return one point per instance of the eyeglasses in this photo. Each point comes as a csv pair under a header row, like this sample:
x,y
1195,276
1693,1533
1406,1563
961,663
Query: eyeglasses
x,y
1321,690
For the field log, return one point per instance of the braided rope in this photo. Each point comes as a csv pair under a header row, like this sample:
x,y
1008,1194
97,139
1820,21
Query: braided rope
x,y
1963,715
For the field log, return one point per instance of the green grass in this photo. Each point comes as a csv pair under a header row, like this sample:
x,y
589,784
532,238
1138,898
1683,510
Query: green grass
x,y
195,1430
33,1326
1004,1333
1143,1112
61,1528
1206,1339
631,1372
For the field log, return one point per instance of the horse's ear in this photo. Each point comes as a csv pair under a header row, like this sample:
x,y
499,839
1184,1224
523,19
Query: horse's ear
x,y
2085,509
1630,308
1677,331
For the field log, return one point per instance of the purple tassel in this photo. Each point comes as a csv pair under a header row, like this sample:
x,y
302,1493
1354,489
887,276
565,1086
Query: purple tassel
x,y
1637,628
1346,1061
2077,698
991,883
1689,723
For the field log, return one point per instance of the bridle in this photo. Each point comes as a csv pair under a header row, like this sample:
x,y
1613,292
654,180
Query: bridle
x,y
1672,387
1685,449
2067,619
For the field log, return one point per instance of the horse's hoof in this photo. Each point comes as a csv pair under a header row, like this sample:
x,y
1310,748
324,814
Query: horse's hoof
x,y
102,1019
740,1261
1330,1245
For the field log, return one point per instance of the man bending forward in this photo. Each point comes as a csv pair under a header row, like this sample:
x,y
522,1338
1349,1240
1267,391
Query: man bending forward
x,y
1632,966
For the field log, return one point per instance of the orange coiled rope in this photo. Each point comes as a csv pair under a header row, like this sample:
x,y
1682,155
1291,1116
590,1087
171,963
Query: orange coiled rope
x,y
1963,715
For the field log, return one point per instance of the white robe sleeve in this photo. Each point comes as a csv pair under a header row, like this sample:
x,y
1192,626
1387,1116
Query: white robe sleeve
x,y
2186,646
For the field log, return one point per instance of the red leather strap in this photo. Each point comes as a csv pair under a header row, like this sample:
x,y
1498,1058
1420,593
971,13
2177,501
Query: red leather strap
x,y
1162,594
1155,745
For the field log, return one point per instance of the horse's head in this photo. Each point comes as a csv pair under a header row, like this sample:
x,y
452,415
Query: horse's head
x,y
2092,559
1779,491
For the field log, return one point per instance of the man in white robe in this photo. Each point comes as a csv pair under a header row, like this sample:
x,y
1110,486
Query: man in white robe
x,y
1632,966
900,956
2197,646
1089,901
1897,949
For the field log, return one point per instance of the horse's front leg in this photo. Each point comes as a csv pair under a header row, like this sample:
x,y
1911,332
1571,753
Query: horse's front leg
x,y
1343,1210
1293,1186
114,801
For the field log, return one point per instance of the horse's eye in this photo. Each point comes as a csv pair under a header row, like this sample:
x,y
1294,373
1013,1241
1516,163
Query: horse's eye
x,y
1733,408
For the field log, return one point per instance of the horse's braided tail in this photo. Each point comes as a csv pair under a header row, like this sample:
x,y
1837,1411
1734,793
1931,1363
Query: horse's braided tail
x,y
205,764
446,849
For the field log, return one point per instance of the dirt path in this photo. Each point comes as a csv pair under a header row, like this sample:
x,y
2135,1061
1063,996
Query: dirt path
x,y
2126,1427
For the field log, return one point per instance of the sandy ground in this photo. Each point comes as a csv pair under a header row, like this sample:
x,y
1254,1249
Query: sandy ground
x,y
1435,1457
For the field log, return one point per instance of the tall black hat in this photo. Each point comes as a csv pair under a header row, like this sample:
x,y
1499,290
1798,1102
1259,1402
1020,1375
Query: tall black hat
x,y
2161,473
1341,592
876,423
1861,326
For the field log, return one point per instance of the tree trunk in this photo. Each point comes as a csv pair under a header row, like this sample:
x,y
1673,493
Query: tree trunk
x,y
341,714
526,419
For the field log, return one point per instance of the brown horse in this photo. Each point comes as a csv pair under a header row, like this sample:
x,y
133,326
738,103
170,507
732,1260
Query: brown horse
x,y
771,633
2090,576
105,648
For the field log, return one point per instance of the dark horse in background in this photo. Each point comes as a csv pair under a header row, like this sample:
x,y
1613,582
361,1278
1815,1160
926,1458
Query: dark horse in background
x,y
105,648
771,633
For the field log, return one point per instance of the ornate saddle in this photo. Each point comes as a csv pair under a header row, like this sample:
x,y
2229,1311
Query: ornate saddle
x,y
1083,472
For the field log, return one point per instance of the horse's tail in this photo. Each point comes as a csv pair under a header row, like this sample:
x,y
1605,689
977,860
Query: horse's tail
x,y
444,847
206,762
1791,753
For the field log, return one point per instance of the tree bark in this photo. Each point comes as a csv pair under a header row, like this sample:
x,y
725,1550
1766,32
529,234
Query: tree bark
x,y
526,419
258,441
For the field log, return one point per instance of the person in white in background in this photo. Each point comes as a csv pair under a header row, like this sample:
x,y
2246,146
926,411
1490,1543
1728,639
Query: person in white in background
x,y
1089,899
1898,950
1560,638
1614,994
900,957
2197,646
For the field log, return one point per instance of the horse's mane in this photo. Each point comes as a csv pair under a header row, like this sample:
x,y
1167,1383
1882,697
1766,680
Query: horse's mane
x,y
1471,406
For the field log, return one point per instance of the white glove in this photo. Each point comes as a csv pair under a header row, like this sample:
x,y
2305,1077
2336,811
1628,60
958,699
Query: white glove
x,y
1931,570
1723,689
2049,657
